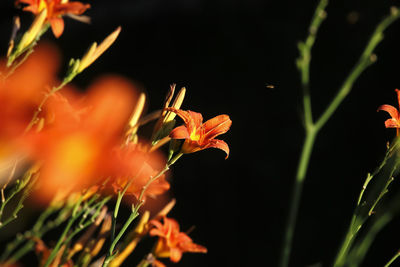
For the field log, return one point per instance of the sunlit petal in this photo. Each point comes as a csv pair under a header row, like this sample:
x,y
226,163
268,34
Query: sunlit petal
x,y
216,126
393,112
57,26
180,132
215,143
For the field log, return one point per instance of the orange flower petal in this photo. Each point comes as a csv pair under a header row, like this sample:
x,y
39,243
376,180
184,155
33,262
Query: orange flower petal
x,y
28,2
57,26
76,8
158,263
196,117
393,112
180,132
156,232
216,143
192,247
398,96
392,123
185,116
111,99
172,224
175,254
216,126
191,119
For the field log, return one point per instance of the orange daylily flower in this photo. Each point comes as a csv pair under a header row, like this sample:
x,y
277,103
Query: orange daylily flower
x,y
199,135
55,10
393,122
172,243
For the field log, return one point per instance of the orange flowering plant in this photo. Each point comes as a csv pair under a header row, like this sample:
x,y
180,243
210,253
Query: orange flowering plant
x,y
80,156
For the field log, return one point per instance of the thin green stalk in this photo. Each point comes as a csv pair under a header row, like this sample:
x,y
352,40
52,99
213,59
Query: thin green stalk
x,y
295,198
364,244
121,194
131,218
60,241
135,209
367,58
22,237
355,226
24,183
34,119
365,207
38,230
303,65
303,62
393,259
15,66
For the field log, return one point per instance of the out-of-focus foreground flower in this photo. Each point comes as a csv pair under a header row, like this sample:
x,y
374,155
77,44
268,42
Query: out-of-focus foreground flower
x,y
141,166
394,121
55,10
78,141
172,243
82,145
199,135
21,93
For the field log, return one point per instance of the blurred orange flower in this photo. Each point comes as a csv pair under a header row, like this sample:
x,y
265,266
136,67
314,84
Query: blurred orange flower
x,y
140,165
77,148
199,135
22,91
393,122
55,10
172,243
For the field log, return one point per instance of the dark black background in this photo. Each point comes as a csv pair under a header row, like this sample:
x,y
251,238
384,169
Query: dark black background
x,y
225,52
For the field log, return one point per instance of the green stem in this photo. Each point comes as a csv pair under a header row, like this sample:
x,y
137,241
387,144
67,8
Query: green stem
x,y
367,58
131,218
393,259
295,197
348,241
121,194
64,233
15,66
38,230
303,62
34,119
355,226
135,210
364,244
303,65
59,242
366,207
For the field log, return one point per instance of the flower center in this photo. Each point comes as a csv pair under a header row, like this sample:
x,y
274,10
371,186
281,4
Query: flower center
x,y
194,136
42,5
